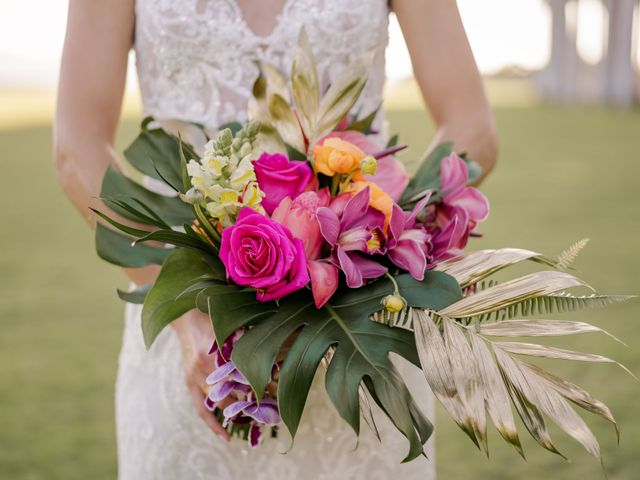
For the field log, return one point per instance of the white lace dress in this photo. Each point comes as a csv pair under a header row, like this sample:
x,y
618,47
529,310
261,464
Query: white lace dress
x,y
196,62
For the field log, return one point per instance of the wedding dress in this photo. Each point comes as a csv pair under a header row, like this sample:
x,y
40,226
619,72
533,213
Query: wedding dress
x,y
196,62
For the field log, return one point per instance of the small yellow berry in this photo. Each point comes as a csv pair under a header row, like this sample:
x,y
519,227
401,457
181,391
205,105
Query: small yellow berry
x,y
368,165
393,303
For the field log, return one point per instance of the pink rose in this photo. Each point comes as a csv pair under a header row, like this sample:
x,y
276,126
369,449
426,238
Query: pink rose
x,y
262,254
280,177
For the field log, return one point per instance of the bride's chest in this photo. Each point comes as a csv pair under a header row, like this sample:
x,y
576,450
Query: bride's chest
x,y
216,32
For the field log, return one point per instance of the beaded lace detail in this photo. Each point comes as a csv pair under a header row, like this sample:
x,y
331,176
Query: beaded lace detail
x,y
196,63
197,59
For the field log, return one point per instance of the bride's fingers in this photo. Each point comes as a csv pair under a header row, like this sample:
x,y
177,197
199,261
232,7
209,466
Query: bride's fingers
x,y
197,397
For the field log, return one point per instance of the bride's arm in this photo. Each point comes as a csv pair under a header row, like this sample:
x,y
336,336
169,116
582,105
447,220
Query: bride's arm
x,y
92,78
448,77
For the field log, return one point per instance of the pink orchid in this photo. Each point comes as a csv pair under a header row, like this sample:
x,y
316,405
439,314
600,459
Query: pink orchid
x,y
460,210
454,176
408,244
358,230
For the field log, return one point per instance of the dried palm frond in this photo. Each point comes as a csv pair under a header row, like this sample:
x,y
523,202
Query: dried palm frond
x,y
468,373
562,302
471,268
512,292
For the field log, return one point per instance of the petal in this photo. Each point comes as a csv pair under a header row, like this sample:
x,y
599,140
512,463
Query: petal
x,y
266,412
221,390
354,239
368,268
329,224
396,225
235,408
409,256
474,202
254,436
282,210
338,203
220,373
237,376
417,209
351,272
324,281
356,208
453,176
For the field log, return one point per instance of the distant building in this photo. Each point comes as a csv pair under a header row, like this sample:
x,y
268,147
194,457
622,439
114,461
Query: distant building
x,y
615,79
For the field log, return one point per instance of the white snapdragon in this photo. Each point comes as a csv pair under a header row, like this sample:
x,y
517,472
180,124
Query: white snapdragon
x,y
225,176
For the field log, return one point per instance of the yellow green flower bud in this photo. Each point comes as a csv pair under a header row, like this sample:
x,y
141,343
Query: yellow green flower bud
x,y
368,165
393,303
192,196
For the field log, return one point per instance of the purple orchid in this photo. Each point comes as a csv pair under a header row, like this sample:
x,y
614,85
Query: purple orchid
x,y
358,230
224,381
227,382
257,413
409,244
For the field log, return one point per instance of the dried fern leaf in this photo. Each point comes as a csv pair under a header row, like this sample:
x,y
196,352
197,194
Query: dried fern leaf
x,y
568,256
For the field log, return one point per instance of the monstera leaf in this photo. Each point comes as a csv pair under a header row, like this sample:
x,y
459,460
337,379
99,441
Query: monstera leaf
x,y
359,347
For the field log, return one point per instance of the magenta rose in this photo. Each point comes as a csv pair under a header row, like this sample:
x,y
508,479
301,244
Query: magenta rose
x,y
280,177
262,254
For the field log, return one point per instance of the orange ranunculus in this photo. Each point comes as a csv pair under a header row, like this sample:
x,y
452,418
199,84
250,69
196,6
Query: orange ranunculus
x,y
334,155
379,199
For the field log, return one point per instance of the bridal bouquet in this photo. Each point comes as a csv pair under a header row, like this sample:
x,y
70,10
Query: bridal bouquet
x,y
310,247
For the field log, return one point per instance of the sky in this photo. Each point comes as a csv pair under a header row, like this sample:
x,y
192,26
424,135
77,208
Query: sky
x,y
501,33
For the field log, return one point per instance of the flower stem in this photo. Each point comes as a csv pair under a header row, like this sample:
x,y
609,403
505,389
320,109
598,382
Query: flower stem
x,y
396,289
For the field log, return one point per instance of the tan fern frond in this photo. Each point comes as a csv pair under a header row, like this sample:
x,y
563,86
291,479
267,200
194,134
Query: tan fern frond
x,y
568,256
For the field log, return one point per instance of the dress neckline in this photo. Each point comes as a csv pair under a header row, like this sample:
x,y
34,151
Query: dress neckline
x,y
262,40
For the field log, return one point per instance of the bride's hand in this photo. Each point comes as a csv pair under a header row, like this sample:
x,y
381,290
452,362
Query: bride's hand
x,y
196,336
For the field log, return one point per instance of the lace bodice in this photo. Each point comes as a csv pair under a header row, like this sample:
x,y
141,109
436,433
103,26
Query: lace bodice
x,y
196,59
196,63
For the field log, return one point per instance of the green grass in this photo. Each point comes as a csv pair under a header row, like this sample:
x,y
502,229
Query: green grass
x,y
564,174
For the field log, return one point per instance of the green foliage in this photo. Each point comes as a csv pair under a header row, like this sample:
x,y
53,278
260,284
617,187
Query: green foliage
x,y
118,248
136,296
156,154
115,186
360,347
427,176
164,303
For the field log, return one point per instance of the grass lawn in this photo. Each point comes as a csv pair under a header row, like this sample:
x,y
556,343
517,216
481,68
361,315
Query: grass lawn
x,y
564,174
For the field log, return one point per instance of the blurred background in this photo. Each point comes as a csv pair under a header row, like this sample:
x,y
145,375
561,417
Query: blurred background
x,y
563,77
